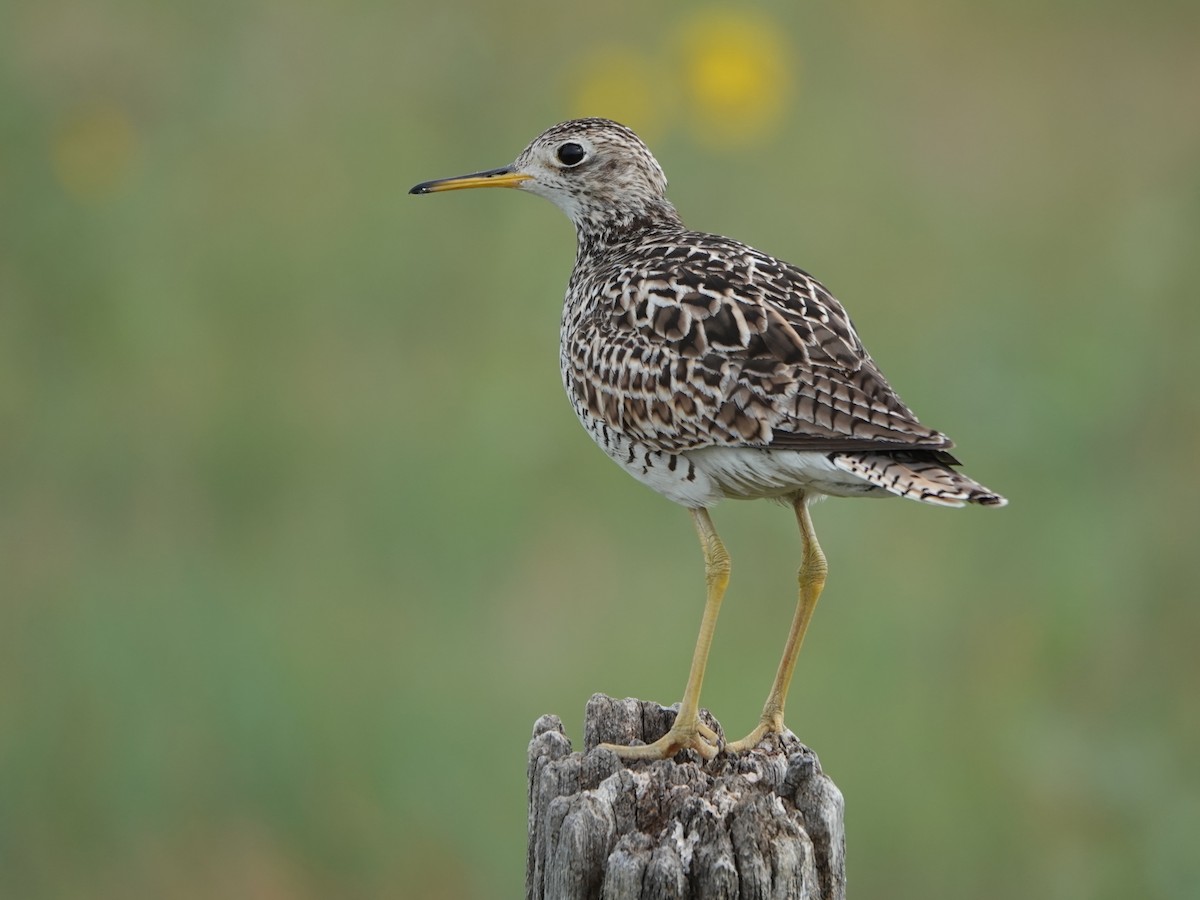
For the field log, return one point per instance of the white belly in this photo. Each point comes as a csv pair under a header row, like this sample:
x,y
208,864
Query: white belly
x,y
701,478
747,473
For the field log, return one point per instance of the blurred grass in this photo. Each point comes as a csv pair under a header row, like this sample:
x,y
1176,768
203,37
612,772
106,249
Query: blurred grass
x,y
298,535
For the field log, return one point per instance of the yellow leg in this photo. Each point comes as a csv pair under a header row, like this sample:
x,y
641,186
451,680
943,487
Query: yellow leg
x,y
688,731
812,579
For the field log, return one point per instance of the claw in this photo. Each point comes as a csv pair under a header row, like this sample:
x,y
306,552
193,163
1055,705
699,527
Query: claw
x,y
772,725
697,736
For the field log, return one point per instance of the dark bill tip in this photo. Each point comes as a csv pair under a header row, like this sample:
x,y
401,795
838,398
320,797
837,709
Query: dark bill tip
x,y
504,177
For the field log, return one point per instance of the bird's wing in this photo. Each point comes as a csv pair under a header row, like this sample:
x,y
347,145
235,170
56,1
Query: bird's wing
x,y
716,343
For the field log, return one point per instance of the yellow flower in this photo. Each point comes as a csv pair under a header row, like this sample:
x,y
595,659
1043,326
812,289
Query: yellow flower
x,y
622,85
93,151
737,73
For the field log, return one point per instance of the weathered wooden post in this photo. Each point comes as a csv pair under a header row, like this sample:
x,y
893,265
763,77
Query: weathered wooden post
x,y
765,824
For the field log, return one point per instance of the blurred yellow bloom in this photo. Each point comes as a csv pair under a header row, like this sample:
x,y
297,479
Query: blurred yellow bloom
x,y
622,85
738,74
730,72
93,150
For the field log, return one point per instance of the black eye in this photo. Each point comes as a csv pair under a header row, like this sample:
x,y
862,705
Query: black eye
x,y
571,154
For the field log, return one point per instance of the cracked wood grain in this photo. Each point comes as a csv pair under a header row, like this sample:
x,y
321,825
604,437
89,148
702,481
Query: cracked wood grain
x,y
764,824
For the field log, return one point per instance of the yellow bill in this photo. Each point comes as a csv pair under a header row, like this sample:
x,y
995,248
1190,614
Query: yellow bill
x,y
504,177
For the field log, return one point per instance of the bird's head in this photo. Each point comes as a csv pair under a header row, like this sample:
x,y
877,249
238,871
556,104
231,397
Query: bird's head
x,y
597,171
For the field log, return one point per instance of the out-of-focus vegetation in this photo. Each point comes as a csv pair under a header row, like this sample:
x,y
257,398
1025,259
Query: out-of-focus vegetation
x,y
298,535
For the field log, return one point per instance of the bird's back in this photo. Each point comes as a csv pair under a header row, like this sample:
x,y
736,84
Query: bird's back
x,y
695,346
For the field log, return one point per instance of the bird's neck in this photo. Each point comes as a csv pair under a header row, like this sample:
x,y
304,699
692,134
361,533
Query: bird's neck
x,y
617,225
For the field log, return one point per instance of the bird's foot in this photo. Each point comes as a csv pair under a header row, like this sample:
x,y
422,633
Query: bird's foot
x,y
768,724
694,735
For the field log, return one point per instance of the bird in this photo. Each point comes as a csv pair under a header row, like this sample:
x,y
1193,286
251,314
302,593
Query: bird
x,y
709,370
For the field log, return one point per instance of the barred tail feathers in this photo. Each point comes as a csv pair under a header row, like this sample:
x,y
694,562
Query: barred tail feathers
x,y
917,475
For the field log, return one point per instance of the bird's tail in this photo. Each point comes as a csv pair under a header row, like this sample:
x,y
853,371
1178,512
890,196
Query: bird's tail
x,y
924,475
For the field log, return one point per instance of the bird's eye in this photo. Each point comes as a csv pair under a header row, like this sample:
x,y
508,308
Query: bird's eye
x,y
571,154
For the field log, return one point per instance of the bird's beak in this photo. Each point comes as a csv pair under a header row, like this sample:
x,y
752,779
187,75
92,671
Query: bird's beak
x,y
504,177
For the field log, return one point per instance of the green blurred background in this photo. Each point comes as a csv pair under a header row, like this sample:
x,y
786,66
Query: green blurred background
x,y
298,535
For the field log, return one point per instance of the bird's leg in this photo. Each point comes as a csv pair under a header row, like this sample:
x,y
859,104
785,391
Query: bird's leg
x,y
812,579
688,731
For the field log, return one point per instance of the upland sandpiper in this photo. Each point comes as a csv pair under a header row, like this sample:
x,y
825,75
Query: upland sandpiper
x,y
709,370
